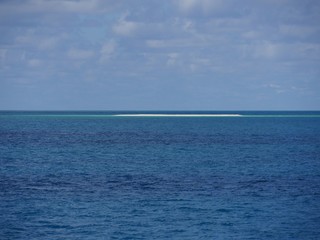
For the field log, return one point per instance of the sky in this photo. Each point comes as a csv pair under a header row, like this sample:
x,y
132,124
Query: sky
x,y
159,55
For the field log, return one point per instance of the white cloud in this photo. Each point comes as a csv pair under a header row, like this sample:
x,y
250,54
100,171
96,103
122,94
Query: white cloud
x,y
79,54
107,50
25,39
34,63
48,43
56,6
305,51
213,40
156,43
188,26
251,35
124,27
279,89
187,6
288,54
274,87
297,31
172,59
3,53
176,43
31,38
266,50
73,6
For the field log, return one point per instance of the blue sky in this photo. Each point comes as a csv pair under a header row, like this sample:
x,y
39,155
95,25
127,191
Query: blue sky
x,y
160,55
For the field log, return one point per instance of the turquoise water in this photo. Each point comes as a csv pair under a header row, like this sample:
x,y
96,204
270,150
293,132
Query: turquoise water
x,y
93,175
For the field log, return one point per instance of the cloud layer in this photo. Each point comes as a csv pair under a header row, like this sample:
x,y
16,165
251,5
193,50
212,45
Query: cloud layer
x,y
147,54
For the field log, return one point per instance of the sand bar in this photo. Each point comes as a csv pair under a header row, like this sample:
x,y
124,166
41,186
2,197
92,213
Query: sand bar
x,y
176,115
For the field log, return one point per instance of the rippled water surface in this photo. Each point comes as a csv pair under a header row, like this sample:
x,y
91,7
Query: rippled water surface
x,y
96,176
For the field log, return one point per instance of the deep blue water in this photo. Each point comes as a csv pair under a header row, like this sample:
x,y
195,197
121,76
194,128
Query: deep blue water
x,y
89,175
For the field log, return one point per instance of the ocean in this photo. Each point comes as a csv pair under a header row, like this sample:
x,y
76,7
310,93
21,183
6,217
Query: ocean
x,y
159,175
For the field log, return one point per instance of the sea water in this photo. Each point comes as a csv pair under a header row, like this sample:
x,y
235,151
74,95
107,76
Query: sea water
x,y
96,175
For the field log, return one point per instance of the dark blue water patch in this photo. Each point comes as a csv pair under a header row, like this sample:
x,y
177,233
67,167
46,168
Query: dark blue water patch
x,y
214,198
116,178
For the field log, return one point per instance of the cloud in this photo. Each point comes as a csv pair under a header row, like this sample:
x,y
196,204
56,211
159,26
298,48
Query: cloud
x,y
34,63
124,27
77,6
226,42
275,87
48,43
3,53
205,6
266,50
107,50
281,52
297,31
65,5
172,59
41,41
178,43
280,89
80,54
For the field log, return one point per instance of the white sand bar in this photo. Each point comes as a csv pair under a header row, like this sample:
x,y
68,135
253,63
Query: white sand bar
x,y
177,115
